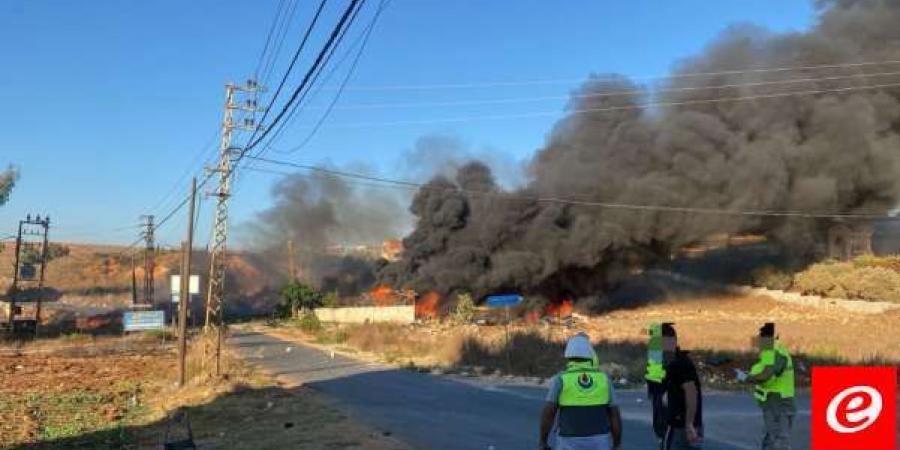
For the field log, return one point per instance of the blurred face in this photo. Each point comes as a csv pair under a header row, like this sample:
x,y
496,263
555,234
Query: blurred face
x,y
764,343
669,344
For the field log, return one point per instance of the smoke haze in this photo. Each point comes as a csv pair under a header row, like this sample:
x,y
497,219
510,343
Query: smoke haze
x,y
833,152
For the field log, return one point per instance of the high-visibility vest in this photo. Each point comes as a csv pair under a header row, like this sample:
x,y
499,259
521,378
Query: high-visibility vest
x,y
583,400
783,383
656,372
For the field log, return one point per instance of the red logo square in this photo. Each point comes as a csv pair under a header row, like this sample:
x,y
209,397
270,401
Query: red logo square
x,y
854,408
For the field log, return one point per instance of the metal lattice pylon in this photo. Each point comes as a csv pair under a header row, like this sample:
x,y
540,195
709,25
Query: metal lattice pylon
x,y
215,297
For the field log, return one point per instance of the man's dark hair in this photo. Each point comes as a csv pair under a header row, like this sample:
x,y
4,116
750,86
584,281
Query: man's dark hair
x,y
767,330
668,329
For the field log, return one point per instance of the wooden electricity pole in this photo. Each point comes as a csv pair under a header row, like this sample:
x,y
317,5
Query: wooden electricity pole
x,y
187,249
291,267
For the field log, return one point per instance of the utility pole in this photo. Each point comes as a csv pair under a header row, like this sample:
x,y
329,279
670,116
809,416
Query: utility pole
x,y
228,154
149,258
188,248
291,267
134,297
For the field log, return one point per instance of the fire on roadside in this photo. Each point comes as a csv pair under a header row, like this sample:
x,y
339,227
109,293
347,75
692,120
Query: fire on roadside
x,y
428,306
384,296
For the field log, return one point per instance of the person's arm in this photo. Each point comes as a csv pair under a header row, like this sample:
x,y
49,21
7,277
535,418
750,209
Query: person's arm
x,y
769,371
615,425
690,402
548,415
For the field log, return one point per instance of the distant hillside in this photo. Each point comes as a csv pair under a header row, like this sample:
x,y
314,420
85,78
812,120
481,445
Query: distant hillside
x,y
100,277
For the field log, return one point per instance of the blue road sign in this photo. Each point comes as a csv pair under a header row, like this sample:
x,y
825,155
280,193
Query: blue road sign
x,y
503,300
143,320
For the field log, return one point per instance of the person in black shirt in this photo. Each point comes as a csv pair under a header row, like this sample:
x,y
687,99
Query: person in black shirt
x,y
685,402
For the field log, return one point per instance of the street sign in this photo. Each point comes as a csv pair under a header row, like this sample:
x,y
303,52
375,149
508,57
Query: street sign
x,y
503,300
193,286
143,320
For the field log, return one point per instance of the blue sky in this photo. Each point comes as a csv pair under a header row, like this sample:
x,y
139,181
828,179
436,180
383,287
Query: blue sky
x,y
107,103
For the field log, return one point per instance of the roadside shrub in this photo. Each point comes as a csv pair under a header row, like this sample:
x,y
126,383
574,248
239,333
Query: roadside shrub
x,y
771,277
853,280
309,322
297,297
465,309
822,279
886,262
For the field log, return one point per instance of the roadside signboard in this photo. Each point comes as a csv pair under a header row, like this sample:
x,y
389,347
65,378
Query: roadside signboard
x,y
193,286
503,300
143,320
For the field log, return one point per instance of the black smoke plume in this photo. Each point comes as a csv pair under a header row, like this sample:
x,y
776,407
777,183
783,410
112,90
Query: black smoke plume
x,y
832,152
320,212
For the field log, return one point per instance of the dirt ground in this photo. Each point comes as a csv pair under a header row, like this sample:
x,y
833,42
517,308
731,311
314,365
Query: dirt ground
x,y
728,323
117,399
718,330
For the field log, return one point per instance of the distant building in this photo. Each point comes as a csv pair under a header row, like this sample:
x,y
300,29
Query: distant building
x,y
391,249
360,251
847,240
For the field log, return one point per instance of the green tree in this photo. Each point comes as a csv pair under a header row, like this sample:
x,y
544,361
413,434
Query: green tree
x,y
297,297
7,181
465,309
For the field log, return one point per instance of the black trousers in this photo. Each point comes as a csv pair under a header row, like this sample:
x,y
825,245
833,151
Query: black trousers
x,y
655,392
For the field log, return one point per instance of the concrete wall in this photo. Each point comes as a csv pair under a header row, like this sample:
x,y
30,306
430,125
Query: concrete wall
x,y
361,314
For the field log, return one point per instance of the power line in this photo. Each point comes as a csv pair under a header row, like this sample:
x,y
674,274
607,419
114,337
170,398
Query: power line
x,y
335,32
205,150
501,101
309,79
264,54
613,108
282,34
365,40
290,68
488,84
299,104
570,201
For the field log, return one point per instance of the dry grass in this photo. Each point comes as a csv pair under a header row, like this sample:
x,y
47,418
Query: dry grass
x,y
718,330
114,399
727,323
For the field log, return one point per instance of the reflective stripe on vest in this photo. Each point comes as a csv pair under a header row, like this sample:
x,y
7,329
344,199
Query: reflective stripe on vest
x,y
782,384
583,401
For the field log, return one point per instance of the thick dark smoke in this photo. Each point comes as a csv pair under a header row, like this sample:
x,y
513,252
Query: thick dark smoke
x,y
318,212
836,152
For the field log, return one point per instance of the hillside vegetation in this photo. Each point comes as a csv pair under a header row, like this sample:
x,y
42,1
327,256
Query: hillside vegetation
x,y
871,278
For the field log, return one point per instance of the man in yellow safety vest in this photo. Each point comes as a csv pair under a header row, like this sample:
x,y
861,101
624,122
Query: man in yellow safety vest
x,y
773,378
580,404
655,376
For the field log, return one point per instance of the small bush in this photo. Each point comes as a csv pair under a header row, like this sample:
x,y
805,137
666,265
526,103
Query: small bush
x,y
853,280
465,309
160,334
309,323
771,277
885,262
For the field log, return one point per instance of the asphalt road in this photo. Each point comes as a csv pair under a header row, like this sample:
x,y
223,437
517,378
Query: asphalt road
x,y
439,412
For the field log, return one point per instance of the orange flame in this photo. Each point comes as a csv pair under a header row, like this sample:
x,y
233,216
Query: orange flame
x,y
560,309
427,307
383,296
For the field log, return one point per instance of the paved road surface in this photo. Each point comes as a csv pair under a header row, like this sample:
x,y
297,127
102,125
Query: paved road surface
x,y
437,412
